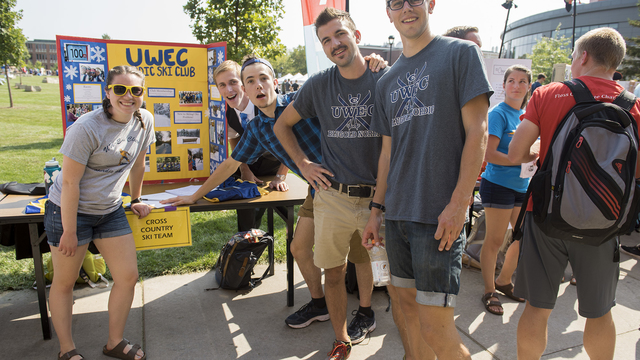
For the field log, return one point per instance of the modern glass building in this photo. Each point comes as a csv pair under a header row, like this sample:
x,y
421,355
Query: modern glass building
x,y
521,35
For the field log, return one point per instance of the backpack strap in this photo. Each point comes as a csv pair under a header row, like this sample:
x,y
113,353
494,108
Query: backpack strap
x,y
579,90
517,229
625,100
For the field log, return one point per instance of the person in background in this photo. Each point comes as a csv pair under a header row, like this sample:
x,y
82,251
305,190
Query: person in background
x,y
470,33
539,81
85,205
502,189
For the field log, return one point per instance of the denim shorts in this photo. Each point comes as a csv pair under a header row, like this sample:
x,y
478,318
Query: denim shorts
x,y
499,197
416,262
89,227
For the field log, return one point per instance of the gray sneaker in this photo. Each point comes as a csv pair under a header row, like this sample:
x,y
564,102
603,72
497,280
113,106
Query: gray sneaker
x,y
307,314
360,326
631,250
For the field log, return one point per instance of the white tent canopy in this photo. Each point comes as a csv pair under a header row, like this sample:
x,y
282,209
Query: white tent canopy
x,y
297,77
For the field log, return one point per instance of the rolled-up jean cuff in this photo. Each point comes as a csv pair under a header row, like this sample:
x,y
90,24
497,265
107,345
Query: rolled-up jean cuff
x,y
435,299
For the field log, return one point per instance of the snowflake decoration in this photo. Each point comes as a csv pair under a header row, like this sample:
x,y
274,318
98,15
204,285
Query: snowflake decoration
x,y
67,98
70,71
96,54
210,75
68,86
220,57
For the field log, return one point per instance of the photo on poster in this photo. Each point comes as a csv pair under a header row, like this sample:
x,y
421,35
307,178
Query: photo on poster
x,y
147,165
215,110
167,163
162,115
211,57
220,131
188,136
76,52
196,160
97,106
74,111
190,98
92,72
214,150
163,142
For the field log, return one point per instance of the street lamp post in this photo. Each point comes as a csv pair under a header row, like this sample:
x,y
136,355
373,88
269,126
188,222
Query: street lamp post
x,y
507,5
391,39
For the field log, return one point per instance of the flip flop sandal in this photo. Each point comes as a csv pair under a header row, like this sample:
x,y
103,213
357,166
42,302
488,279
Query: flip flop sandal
x,y
507,290
488,303
117,353
69,355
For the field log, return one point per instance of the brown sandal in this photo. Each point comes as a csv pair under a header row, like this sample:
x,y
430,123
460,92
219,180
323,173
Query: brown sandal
x,y
117,352
488,303
507,290
69,355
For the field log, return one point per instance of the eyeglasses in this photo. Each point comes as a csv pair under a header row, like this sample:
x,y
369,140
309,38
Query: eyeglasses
x,y
399,4
120,89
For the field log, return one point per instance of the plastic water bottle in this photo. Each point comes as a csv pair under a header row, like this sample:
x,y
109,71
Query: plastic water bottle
x,y
380,265
51,170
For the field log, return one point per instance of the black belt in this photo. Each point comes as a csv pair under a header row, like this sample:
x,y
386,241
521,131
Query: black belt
x,y
362,191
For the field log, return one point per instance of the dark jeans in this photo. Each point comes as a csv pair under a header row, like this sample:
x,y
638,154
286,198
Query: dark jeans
x,y
251,218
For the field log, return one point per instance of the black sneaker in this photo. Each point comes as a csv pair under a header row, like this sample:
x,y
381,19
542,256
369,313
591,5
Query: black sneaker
x,y
360,326
307,314
631,250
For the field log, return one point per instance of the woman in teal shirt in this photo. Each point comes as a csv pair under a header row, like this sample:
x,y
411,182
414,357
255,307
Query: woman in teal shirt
x,y
502,189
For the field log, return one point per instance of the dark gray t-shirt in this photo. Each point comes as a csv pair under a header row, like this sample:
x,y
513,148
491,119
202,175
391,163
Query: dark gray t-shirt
x,y
418,104
350,150
108,149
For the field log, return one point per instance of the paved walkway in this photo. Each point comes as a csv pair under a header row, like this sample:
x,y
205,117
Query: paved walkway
x,y
175,318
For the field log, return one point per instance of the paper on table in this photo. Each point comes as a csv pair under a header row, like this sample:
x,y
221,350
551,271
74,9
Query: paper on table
x,y
184,191
157,197
527,170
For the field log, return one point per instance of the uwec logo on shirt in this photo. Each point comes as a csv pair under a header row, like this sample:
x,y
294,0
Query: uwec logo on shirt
x,y
354,113
407,92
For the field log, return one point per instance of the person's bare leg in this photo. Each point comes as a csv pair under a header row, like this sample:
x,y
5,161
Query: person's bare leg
x,y
409,306
511,257
399,320
365,283
532,332
496,221
65,270
336,297
120,255
302,251
599,337
439,331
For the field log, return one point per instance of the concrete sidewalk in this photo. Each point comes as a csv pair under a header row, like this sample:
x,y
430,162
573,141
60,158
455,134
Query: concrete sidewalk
x,y
173,317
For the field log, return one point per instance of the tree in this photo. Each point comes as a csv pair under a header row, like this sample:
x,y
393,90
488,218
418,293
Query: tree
x,y
106,36
293,61
630,68
248,26
549,51
37,65
13,48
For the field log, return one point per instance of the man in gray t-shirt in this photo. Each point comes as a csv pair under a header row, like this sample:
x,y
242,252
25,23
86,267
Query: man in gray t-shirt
x,y
431,109
342,98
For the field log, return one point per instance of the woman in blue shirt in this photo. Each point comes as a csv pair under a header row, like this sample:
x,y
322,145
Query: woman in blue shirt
x,y
502,189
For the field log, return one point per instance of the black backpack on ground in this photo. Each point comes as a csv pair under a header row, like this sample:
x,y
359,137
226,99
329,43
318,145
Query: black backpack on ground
x,y
237,258
585,190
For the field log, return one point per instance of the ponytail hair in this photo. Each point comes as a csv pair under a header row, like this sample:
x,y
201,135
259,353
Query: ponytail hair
x,y
122,70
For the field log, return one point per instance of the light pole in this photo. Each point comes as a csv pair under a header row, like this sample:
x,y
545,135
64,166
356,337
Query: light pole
x,y
507,5
391,39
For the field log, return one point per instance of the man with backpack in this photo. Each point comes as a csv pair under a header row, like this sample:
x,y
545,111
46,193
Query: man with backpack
x,y
543,257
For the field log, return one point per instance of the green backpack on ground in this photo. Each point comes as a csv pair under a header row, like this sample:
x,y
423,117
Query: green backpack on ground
x,y
91,271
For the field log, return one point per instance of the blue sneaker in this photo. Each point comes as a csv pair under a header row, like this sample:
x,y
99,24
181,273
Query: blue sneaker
x,y
307,314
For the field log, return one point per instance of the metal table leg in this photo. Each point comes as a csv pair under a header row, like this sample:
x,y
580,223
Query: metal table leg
x,y
40,283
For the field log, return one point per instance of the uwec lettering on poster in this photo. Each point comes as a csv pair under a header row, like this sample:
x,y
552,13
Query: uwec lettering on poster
x,y
189,113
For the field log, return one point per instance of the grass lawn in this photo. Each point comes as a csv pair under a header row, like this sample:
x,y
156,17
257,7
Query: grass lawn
x,y
32,134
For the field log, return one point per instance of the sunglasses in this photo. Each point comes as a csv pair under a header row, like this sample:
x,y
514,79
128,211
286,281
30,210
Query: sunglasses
x,y
120,89
399,4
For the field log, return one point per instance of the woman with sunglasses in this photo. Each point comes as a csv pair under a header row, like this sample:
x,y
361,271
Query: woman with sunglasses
x,y
101,149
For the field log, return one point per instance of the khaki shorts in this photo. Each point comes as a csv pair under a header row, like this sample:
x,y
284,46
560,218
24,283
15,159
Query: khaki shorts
x,y
339,223
358,254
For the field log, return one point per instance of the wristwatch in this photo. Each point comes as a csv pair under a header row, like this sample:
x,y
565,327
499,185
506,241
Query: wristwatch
x,y
378,206
281,177
135,201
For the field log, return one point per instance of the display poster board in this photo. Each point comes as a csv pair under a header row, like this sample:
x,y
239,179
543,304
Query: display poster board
x,y
495,72
189,113
162,228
